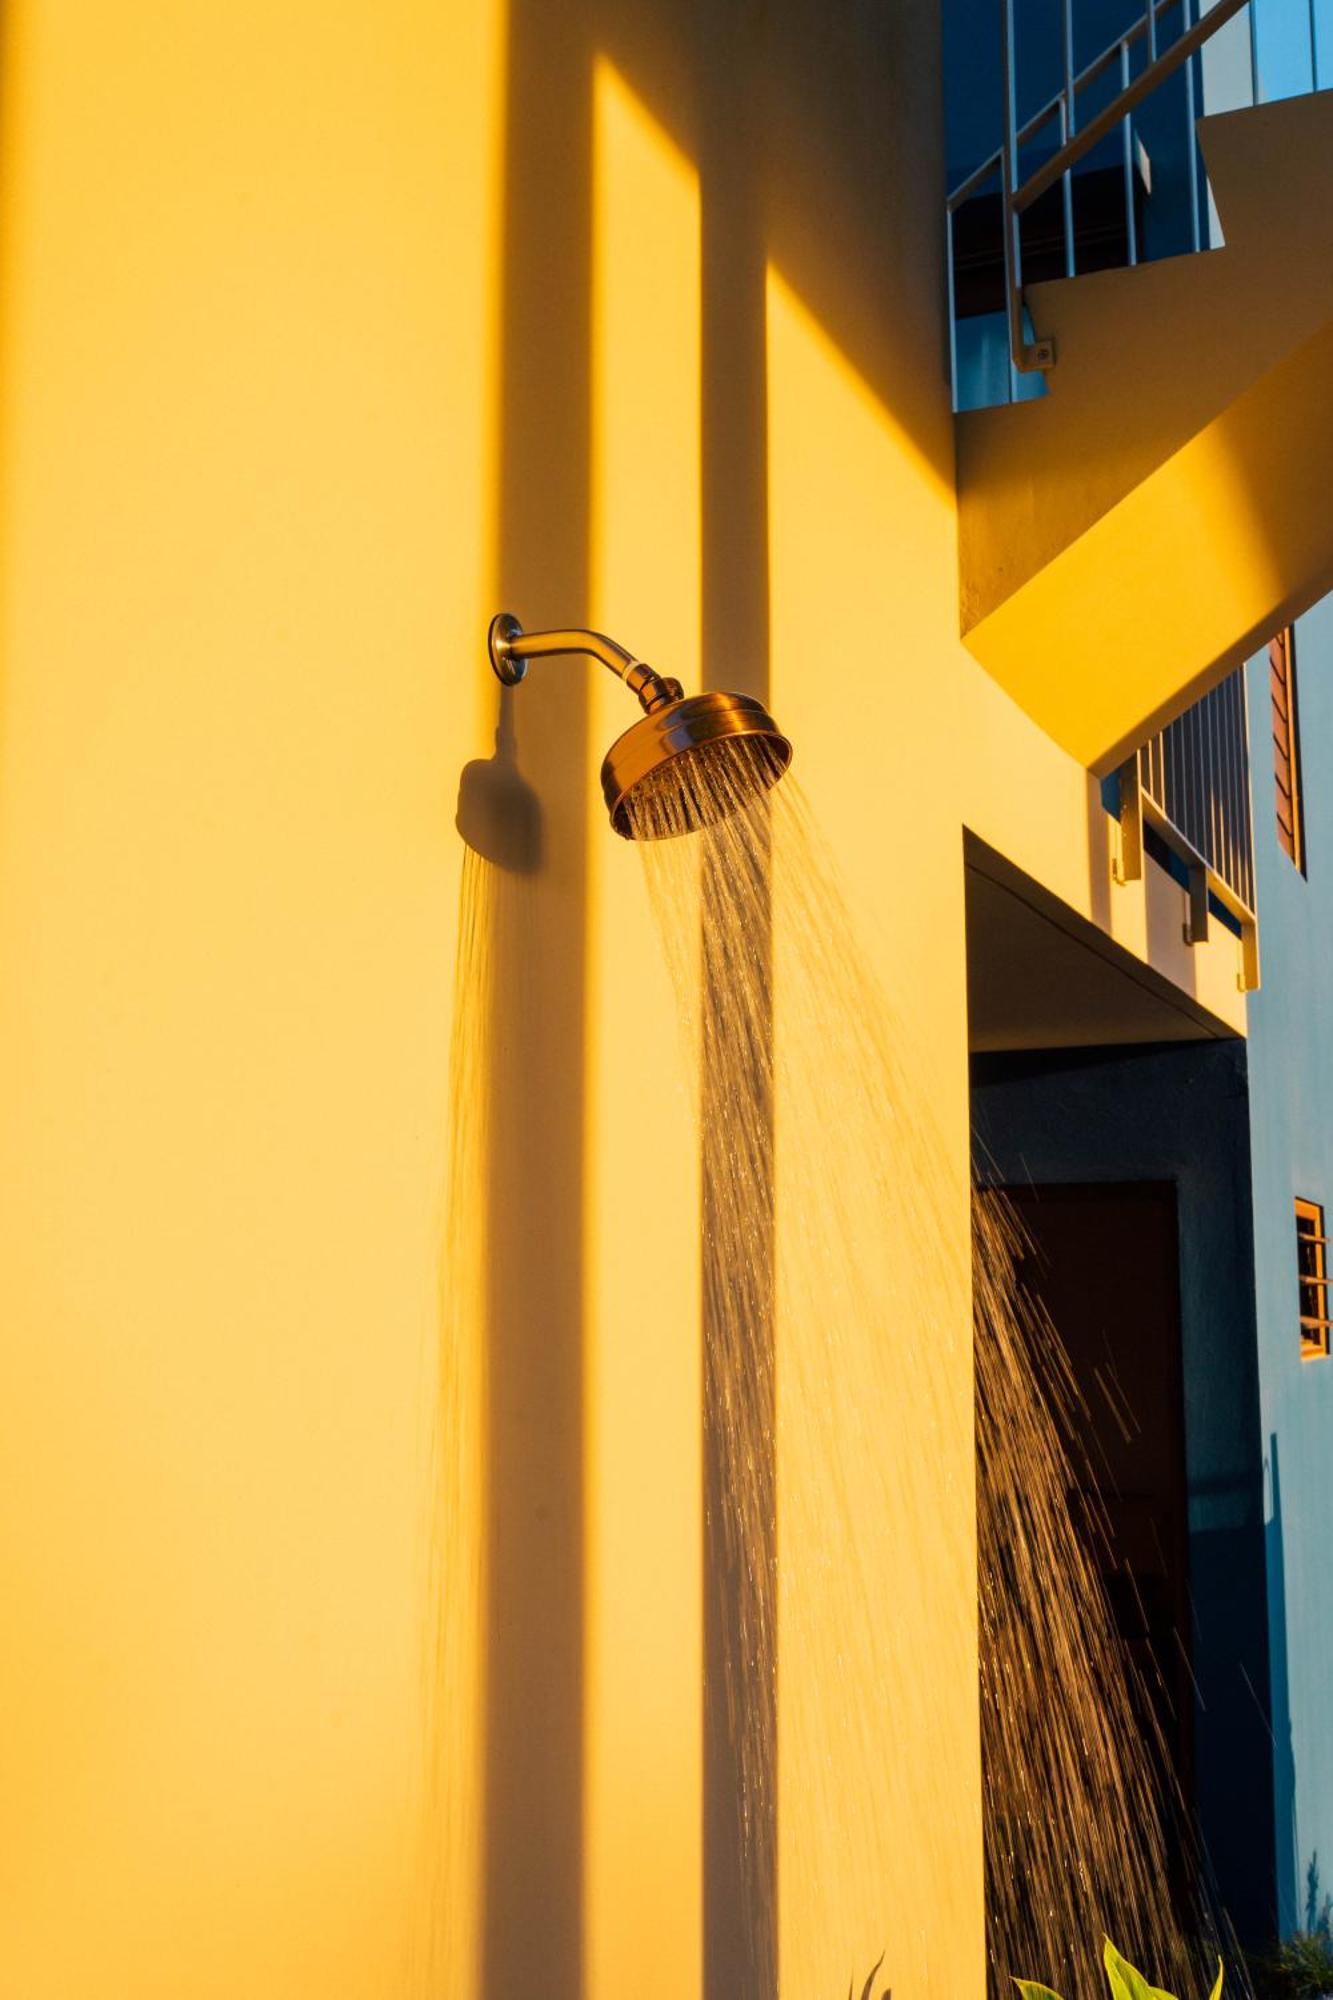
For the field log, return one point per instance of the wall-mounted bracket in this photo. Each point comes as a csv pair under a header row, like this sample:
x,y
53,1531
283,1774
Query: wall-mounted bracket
x,y
1128,863
1195,928
512,651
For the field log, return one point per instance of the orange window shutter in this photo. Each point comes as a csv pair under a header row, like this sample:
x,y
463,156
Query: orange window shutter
x,y
1286,754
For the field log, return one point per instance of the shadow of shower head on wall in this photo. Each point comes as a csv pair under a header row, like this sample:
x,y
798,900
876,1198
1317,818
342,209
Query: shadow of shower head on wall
x,y
499,814
689,760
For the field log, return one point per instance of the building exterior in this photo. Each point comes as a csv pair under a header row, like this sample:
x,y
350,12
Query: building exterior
x,y
1232,1132
1290,1164
330,332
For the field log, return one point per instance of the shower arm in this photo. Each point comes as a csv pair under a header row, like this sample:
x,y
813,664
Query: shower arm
x,y
511,659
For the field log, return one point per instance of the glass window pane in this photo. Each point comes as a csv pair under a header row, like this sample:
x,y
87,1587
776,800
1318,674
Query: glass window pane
x,y
1323,43
1284,61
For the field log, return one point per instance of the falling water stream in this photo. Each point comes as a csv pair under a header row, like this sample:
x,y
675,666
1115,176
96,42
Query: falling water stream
x,y
836,1324
443,1944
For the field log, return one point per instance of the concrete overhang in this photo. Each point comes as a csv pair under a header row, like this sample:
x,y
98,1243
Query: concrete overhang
x,y
1126,540
1040,976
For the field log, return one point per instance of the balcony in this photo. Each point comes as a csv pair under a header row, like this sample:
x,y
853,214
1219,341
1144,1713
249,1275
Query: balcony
x,y
1184,798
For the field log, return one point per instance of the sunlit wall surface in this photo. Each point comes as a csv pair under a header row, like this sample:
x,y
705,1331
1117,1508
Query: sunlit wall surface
x,y
249,480
350,1543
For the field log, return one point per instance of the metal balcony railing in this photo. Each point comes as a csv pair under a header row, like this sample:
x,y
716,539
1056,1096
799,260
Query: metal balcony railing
x,y
1164,39
1188,788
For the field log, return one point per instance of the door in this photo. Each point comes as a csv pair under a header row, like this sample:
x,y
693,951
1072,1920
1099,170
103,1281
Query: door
x,y
1104,1262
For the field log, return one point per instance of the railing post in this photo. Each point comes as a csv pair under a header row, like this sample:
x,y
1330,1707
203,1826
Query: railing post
x,y
1192,155
1131,226
1249,957
1196,923
1025,356
953,303
1128,865
1013,249
1314,45
1068,123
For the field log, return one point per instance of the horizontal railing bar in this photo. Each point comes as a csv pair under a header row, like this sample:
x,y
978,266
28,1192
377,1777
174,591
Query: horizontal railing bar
x,y
1027,133
1226,856
1095,131
1184,849
1142,809
977,179
1095,69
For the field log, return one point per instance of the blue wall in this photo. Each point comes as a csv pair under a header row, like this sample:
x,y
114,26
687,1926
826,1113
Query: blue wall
x,y
1291,1097
1180,1114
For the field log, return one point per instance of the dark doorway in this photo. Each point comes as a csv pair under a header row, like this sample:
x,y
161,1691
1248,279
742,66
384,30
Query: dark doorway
x,y
1104,1263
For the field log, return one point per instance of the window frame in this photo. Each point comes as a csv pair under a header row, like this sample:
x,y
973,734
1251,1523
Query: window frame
x,y
1315,1326
1284,714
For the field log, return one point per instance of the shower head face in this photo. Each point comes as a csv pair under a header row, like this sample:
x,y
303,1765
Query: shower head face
x,y
691,763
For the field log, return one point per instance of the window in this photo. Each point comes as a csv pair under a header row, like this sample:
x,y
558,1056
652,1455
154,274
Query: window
x,y
1312,1269
1286,745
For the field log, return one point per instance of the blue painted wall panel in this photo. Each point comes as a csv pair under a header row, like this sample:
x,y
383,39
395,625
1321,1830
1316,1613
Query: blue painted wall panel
x,y
1291,1073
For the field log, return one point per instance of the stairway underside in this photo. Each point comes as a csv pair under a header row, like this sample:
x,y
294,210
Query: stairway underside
x,y
1130,538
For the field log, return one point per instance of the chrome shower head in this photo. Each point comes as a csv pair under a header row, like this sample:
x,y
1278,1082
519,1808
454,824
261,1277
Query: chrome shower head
x,y
733,748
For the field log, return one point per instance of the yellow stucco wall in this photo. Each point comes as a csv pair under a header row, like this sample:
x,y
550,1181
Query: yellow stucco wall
x,y
326,331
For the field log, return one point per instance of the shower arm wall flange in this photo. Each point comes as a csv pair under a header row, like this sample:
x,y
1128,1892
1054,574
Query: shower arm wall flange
x,y
511,661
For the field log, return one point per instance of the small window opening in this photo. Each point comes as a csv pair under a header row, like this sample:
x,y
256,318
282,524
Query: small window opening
x,y
1286,746
1312,1270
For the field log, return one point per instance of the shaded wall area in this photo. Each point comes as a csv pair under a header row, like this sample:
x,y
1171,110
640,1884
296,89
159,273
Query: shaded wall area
x,y
1179,1116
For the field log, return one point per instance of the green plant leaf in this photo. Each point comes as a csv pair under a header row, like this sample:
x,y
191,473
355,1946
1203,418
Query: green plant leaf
x,y
1125,1982
1032,1989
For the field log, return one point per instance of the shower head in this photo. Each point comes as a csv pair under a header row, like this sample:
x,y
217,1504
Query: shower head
x,y
734,749
725,749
